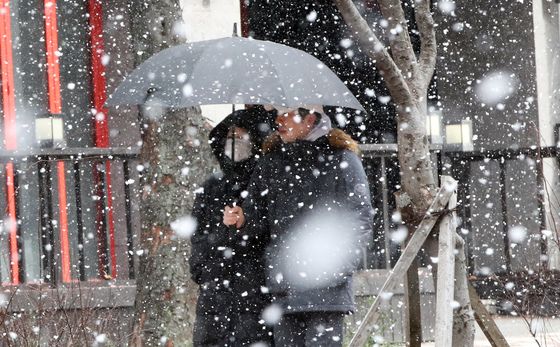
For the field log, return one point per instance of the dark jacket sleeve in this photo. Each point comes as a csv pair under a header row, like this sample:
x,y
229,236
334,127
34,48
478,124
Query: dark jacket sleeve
x,y
356,199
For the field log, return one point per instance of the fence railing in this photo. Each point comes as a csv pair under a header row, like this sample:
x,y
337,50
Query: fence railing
x,y
74,217
514,180
78,221
503,207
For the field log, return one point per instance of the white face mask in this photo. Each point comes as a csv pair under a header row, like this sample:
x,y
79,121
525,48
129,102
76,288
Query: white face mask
x,y
243,149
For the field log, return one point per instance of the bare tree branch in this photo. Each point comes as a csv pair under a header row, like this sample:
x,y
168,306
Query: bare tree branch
x,y
401,46
376,50
428,50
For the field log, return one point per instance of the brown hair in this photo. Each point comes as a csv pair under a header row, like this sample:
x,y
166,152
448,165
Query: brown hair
x,y
271,142
340,139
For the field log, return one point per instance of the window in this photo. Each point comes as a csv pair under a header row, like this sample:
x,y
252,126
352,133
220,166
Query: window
x,y
68,211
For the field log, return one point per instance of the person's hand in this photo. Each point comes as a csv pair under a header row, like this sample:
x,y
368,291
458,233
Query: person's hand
x,y
234,216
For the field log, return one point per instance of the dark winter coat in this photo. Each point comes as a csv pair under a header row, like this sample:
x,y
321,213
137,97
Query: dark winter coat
x,y
230,275
288,185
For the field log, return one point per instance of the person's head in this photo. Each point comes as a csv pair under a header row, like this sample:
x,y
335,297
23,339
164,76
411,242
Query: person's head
x,y
238,145
296,124
250,127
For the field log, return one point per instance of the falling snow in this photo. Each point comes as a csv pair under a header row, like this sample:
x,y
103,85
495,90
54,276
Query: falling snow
x,y
100,200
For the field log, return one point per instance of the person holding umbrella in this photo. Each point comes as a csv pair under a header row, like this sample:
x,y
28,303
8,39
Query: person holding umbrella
x,y
309,205
229,274
308,165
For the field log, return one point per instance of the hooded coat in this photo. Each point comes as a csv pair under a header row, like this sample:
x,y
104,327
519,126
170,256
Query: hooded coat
x,y
229,274
292,187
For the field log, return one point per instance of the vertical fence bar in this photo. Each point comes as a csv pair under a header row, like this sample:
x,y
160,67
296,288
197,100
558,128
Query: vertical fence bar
x,y
503,198
46,210
439,165
100,221
21,264
385,198
464,191
79,220
541,203
110,219
129,230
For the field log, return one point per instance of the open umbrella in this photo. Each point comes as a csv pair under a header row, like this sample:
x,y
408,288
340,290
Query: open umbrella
x,y
233,70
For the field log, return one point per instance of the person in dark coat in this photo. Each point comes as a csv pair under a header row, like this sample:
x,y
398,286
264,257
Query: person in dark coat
x,y
309,198
229,274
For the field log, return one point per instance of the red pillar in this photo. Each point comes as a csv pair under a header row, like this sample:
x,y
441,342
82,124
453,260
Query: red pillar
x,y
244,14
10,142
101,121
55,108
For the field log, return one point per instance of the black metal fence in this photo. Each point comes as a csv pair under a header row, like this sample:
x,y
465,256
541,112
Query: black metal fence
x,y
503,198
74,215
77,221
500,194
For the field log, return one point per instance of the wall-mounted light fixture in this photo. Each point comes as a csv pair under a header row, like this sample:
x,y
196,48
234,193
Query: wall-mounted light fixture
x,y
459,136
433,126
49,132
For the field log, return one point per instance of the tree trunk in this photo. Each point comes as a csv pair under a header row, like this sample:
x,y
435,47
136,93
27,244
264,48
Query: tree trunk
x,y
407,76
407,79
418,185
176,158
414,199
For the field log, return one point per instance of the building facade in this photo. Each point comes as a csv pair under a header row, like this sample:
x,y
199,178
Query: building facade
x,y
64,197
69,165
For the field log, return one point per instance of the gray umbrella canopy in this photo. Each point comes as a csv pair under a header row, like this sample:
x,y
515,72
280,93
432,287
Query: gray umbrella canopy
x,y
233,70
